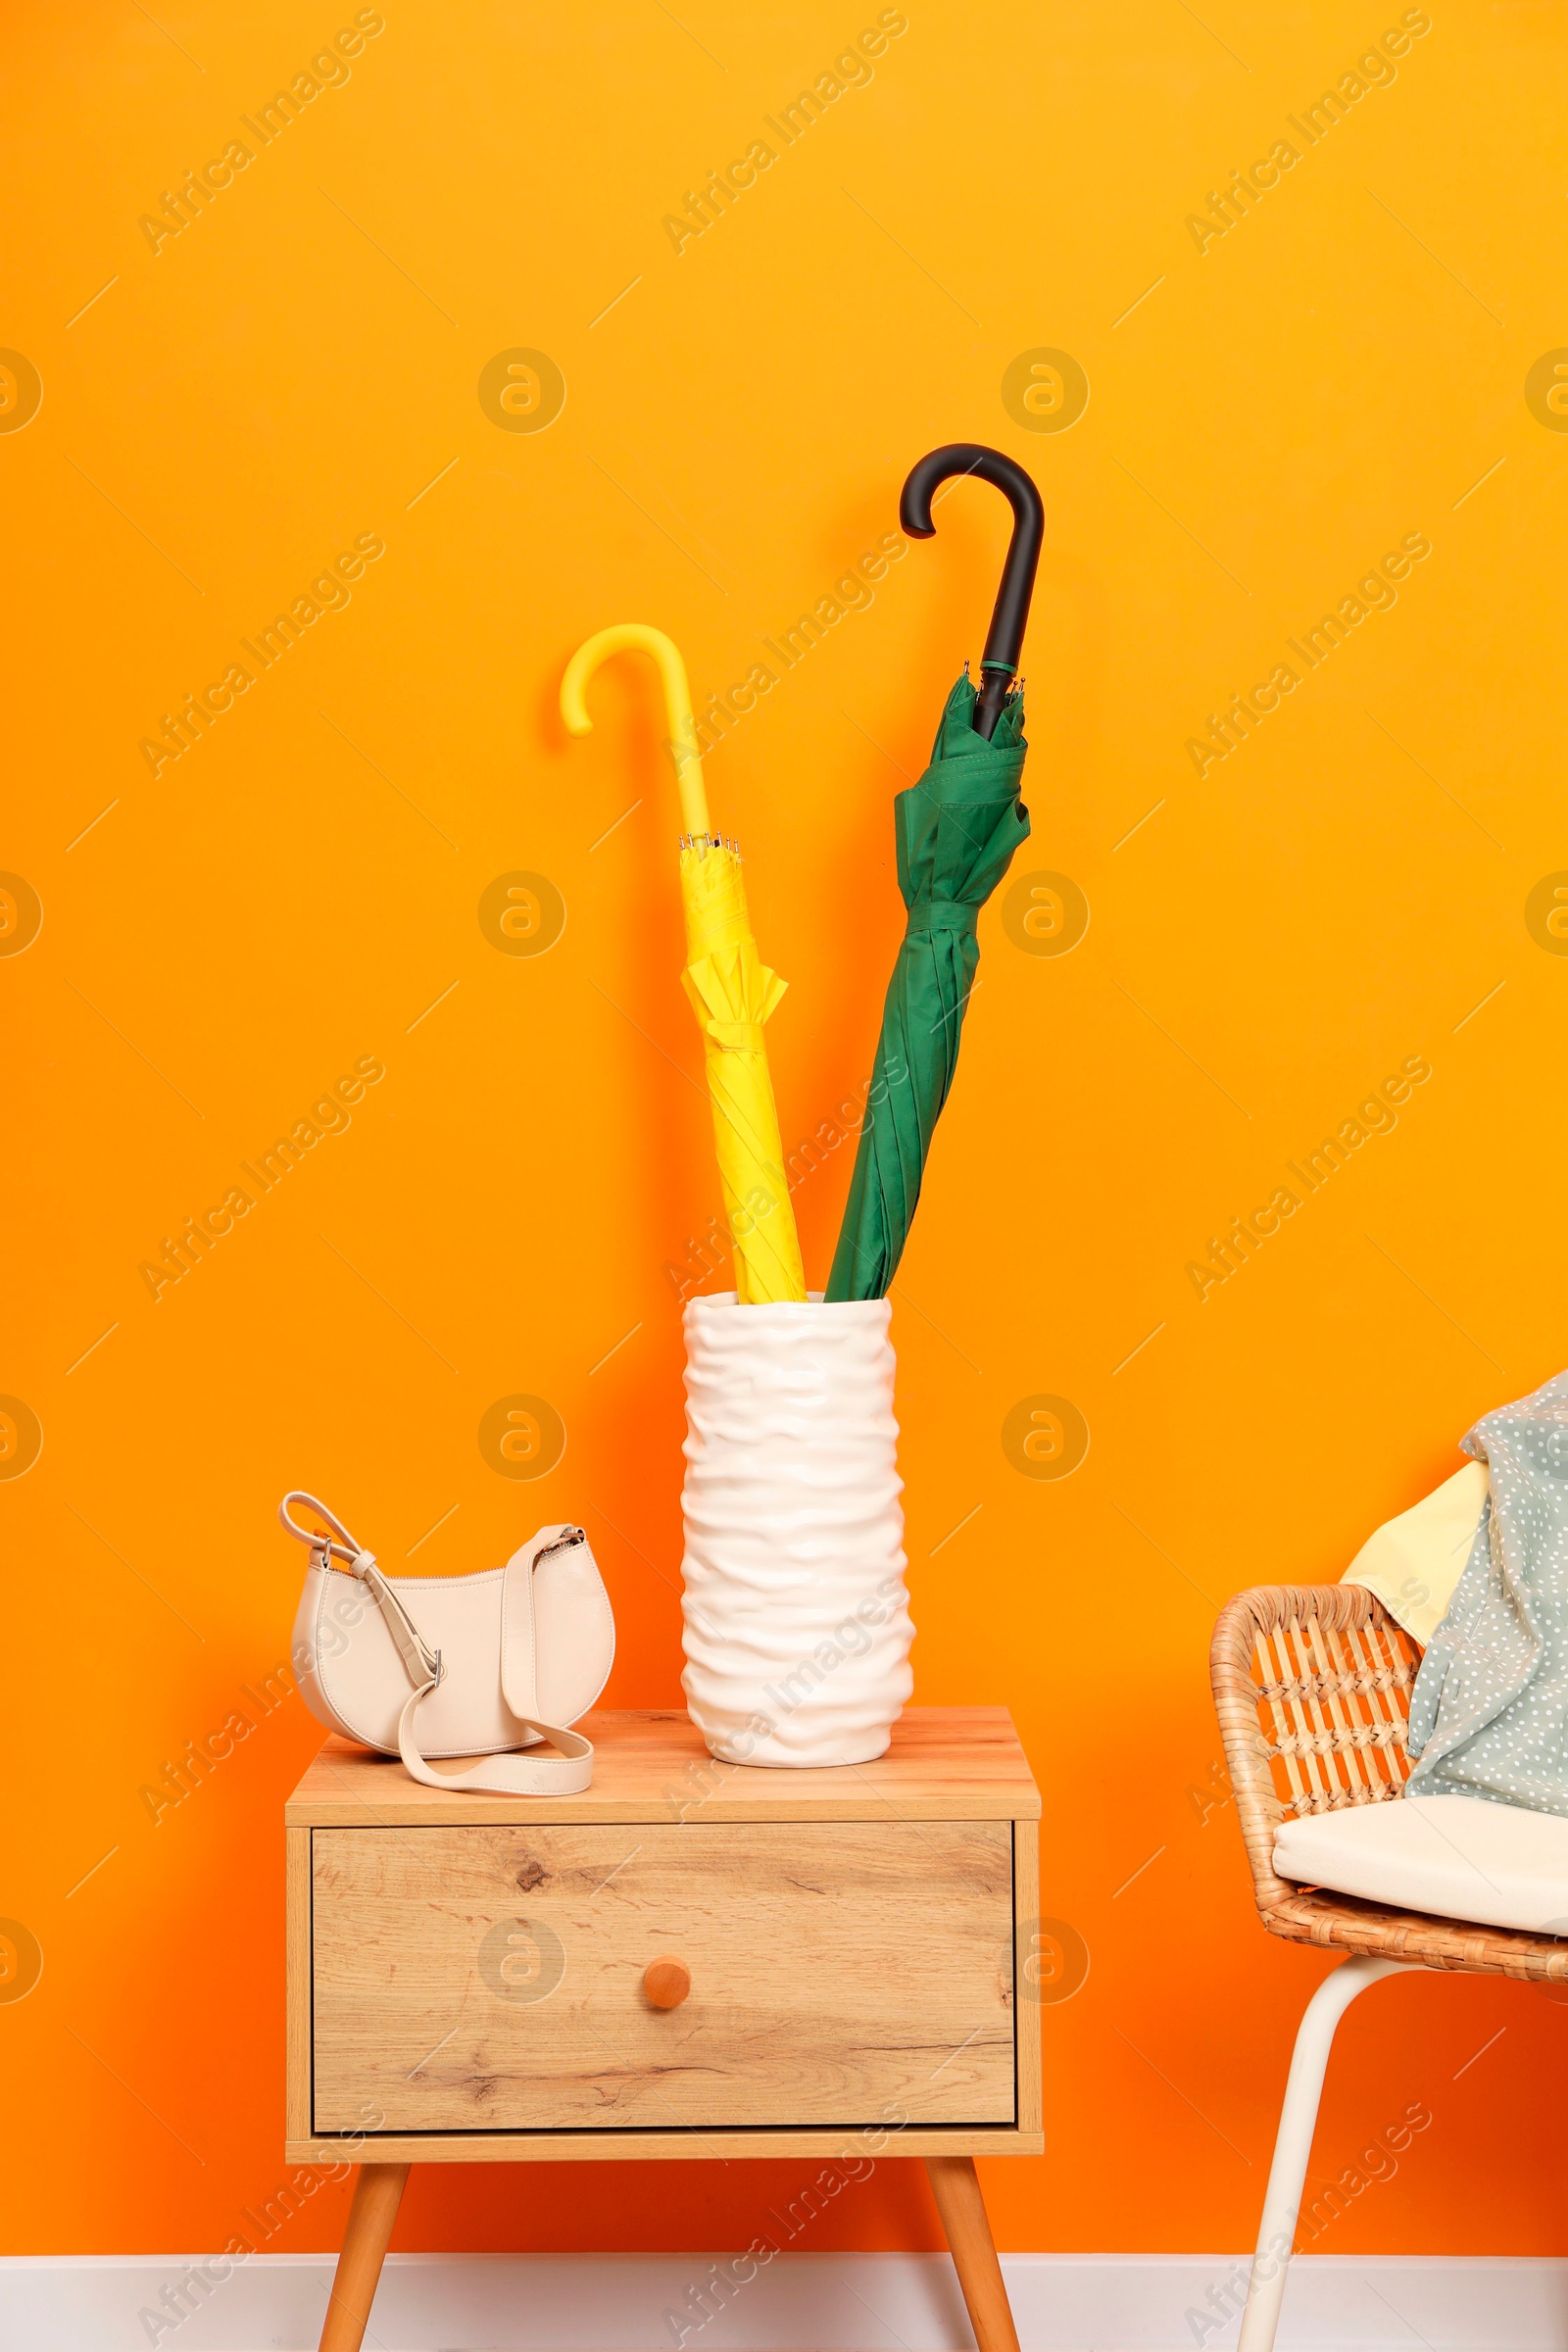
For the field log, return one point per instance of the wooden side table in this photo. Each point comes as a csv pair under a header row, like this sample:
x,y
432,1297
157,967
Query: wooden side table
x,y
691,1959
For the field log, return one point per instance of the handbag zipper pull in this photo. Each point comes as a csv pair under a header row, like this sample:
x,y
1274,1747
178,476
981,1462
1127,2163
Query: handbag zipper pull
x,y
562,1543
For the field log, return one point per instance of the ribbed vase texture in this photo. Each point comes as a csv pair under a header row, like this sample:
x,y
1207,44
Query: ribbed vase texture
x,y
797,1621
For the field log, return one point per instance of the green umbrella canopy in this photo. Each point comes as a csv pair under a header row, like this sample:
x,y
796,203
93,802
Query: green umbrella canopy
x,y
957,830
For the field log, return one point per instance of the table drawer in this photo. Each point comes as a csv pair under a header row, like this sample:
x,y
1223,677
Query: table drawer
x,y
476,1978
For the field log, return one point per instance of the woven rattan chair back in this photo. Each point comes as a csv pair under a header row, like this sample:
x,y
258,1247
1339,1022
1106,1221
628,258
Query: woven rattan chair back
x,y
1312,1685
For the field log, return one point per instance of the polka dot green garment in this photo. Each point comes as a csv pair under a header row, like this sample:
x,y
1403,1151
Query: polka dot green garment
x,y
1488,1713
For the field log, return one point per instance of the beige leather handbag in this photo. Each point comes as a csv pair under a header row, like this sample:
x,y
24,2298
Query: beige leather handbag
x,y
437,1666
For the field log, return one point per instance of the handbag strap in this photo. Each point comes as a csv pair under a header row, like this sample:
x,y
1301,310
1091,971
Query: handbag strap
x,y
564,1775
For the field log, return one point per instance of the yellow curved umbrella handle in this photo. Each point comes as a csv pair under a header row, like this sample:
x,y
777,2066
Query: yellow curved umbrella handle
x,y
677,705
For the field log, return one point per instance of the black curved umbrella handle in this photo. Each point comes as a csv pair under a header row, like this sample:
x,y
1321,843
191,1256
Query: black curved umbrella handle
x,y
999,664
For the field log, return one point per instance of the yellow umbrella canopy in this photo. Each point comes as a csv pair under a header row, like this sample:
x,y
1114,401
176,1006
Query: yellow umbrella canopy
x,y
730,989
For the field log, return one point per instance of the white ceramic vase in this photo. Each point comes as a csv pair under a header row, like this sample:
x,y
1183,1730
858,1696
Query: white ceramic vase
x,y
796,1620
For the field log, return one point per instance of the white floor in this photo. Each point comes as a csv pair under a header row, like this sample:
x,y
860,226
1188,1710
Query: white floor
x,y
802,2303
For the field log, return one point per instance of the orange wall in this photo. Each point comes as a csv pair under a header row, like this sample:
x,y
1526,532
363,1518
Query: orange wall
x,y
1345,366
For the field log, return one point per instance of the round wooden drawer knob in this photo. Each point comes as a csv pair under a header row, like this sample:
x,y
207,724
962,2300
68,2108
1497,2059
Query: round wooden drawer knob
x,y
666,1983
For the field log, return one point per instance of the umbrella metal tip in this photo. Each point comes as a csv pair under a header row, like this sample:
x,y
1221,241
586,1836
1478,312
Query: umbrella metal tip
x,y
710,841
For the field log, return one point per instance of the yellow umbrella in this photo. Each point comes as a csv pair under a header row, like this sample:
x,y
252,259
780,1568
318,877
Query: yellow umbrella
x,y
731,990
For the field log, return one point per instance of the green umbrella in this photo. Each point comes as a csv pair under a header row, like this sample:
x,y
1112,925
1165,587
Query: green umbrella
x,y
955,830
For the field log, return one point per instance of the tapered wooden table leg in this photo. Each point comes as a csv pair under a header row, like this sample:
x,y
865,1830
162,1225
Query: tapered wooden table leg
x,y
378,2195
956,2188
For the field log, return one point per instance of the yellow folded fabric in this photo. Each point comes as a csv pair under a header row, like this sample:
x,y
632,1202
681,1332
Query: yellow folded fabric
x,y
1413,1562
732,991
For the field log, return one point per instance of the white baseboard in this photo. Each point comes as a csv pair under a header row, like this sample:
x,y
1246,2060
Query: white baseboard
x,y
801,2303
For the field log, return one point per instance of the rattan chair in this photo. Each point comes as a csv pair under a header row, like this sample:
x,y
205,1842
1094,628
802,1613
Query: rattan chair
x,y
1312,1684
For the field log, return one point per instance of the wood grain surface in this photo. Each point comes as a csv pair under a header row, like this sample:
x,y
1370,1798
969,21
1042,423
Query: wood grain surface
x,y
297,1968
851,2146
482,1979
944,1764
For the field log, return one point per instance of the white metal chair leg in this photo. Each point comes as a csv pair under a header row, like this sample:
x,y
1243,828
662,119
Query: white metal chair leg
x,y
1293,2143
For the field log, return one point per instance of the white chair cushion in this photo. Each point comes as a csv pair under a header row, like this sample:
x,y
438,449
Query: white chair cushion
x,y
1458,1856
